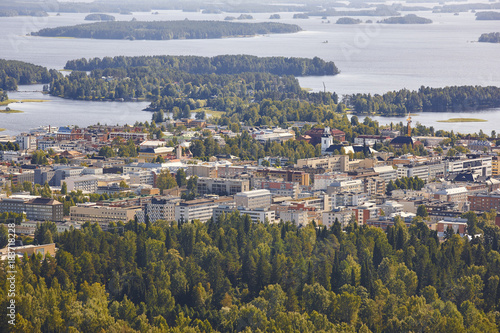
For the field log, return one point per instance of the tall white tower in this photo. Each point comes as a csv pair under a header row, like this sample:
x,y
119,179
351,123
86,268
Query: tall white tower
x,y
326,140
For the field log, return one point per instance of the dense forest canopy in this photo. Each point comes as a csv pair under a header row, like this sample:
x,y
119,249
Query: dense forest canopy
x,y
407,19
223,64
233,275
488,16
492,37
99,17
13,72
165,30
426,99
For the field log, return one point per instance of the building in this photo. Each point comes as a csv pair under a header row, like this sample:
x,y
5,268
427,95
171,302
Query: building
x,y
321,181
425,171
151,154
199,209
485,202
315,135
135,136
297,217
342,215
495,166
253,199
30,250
38,209
365,212
370,140
386,172
85,183
257,215
295,176
345,185
457,194
222,186
90,212
391,207
159,209
473,162
275,134
337,163
458,225
348,199
280,188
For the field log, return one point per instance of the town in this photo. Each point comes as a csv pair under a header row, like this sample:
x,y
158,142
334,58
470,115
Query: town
x,y
114,174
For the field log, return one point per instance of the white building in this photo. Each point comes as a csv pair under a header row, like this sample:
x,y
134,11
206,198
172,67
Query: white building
x,y
200,209
297,217
85,183
475,163
159,209
253,199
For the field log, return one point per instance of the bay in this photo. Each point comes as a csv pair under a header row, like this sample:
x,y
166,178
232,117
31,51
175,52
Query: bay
x,y
373,58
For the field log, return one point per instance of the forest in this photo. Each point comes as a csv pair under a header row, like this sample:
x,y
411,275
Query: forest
x,y
492,37
426,99
407,19
233,275
99,17
165,30
488,16
13,72
222,64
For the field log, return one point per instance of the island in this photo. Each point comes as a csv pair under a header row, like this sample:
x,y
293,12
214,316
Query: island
x,y
300,16
487,16
245,17
462,120
274,17
492,37
407,19
426,99
166,30
13,72
348,20
229,18
99,17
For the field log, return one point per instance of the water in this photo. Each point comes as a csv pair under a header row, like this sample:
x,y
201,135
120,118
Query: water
x,y
62,112
373,58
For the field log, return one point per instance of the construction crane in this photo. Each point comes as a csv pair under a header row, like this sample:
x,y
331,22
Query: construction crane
x,y
409,124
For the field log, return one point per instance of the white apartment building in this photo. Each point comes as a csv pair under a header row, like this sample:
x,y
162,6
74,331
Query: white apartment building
x,y
200,209
159,209
84,183
426,171
475,163
257,215
345,185
253,199
297,217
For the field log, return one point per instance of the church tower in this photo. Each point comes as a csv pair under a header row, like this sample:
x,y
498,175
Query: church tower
x,y
326,140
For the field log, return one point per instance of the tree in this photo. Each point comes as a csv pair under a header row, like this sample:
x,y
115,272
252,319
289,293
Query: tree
x,y
46,191
180,177
123,184
165,180
64,188
4,236
422,211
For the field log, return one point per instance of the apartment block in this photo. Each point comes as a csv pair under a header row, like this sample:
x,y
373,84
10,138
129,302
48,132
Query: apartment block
x,y
199,209
337,163
39,209
222,186
159,209
253,199
257,215
90,212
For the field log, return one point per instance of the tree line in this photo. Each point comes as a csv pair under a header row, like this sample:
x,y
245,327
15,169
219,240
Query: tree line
x,y
165,30
426,99
222,64
233,275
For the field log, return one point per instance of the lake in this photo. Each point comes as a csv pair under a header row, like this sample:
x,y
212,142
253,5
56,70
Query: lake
x,y
373,58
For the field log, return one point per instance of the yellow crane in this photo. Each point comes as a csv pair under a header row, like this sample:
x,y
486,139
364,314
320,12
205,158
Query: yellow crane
x,y
409,124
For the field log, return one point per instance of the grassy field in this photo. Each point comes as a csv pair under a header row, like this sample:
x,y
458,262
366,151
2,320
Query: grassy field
x,y
462,120
2,129
210,112
23,101
11,111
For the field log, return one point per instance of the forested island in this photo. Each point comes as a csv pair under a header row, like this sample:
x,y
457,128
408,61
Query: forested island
x,y
381,10
448,99
492,37
487,16
274,17
165,30
407,19
13,72
300,16
348,20
99,17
